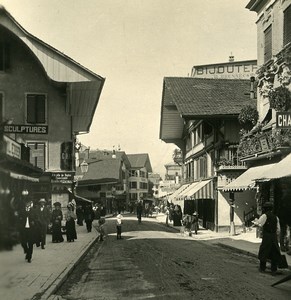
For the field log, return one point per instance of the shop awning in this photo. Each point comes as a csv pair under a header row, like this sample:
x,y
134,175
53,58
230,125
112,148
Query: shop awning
x,y
185,192
246,181
175,195
278,170
82,199
23,177
200,190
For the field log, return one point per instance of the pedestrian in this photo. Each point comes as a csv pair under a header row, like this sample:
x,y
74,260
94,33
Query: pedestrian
x,y
70,224
89,216
28,231
56,219
187,222
43,218
80,215
177,216
195,223
167,212
100,229
118,225
269,248
139,210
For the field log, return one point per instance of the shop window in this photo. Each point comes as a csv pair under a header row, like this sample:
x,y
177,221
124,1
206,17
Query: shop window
x,y
133,196
4,56
37,154
287,26
268,44
35,109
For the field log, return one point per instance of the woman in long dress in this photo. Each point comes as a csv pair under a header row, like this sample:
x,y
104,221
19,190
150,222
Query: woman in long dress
x,y
56,219
70,224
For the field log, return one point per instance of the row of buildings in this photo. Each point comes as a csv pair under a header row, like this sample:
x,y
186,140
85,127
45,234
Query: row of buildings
x,y
46,100
232,125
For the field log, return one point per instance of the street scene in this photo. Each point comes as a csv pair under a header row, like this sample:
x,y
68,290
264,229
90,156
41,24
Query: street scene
x,y
145,149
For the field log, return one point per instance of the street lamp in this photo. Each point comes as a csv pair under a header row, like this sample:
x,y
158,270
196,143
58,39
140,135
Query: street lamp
x,y
84,167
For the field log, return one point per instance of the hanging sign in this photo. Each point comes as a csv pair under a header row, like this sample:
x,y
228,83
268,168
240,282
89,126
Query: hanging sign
x,y
28,129
283,120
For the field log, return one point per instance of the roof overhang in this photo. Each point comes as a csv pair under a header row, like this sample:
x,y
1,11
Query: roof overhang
x,y
253,4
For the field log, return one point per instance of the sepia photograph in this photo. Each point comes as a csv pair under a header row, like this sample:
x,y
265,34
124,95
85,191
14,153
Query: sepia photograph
x,y
145,149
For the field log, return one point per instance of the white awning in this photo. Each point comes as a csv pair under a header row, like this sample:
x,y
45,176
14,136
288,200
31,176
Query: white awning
x,y
246,181
278,170
201,190
174,197
23,177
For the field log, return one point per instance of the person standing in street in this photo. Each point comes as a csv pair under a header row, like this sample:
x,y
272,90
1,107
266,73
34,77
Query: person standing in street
x,y
269,248
139,210
70,224
195,222
43,218
119,225
56,219
28,230
89,216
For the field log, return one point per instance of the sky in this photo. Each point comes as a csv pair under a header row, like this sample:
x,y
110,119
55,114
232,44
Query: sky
x,y
134,44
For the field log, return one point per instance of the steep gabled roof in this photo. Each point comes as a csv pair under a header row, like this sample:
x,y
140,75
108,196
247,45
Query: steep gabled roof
x,y
200,98
140,160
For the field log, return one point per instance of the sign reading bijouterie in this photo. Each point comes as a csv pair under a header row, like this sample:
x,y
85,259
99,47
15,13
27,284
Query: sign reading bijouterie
x,y
283,120
30,129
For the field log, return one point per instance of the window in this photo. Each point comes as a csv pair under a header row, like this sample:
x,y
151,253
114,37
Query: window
x,y
268,44
287,26
4,56
37,154
133,196
143,185
36,109
133,184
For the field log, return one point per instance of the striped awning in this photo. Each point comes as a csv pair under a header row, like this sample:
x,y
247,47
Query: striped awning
x,y
174,197
279,170
201,190
246,181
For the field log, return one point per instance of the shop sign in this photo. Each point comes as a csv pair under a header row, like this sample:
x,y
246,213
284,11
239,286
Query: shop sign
x,y
27,129
264,143
62,177
12,148
283,120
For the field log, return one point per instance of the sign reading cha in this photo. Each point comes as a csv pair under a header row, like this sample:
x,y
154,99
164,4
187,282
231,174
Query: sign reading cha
x,y
28,129
283,120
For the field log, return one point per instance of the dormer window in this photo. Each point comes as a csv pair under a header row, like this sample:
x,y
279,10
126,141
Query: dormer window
x,y
4,56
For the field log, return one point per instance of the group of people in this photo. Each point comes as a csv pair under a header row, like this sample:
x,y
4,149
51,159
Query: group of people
x,y
34,221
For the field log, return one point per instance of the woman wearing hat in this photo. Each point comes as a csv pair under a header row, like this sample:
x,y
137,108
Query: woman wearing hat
x,y
56,219
70,223
269,248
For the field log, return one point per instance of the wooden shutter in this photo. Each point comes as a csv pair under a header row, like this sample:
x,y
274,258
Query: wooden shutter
x,y
4,56
268,44
37,154
36,109
287,26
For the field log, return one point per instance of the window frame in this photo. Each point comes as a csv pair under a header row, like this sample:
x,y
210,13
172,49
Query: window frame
x,y
45,143
45,107
268,47
5,60
286,32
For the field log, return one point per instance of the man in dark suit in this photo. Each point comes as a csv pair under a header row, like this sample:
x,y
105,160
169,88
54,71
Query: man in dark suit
x,y
28,221
43,218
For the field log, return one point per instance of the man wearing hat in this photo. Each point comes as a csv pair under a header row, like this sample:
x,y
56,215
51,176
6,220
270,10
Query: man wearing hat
x,y
44,218
28,228
269,248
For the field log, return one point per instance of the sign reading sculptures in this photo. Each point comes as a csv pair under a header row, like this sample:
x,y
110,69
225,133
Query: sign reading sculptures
x,y
30,129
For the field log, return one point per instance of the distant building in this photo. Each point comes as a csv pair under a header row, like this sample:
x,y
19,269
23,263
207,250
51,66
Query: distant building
x,y
227,70
173,172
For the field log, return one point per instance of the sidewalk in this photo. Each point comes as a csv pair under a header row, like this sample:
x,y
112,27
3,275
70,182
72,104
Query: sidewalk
x,y
20,280
246,243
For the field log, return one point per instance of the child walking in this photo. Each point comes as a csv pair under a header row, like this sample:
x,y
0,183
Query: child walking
x,y
118,226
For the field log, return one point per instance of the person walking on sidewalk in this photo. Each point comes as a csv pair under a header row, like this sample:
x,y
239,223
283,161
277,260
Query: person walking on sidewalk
x,y
195,223
89,216
100,229
70,224
269,248
118,225
139,210
43,218
56,219
28,230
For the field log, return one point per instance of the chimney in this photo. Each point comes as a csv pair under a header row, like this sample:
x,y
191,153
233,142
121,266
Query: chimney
x,y
231,58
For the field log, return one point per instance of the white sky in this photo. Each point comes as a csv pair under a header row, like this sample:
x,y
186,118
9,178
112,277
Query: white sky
x,y
134,44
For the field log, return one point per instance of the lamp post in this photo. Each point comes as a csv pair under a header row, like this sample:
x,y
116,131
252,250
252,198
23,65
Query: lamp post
x,y
231,212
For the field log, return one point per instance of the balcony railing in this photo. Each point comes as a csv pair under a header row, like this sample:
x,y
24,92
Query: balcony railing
x,y
263,142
